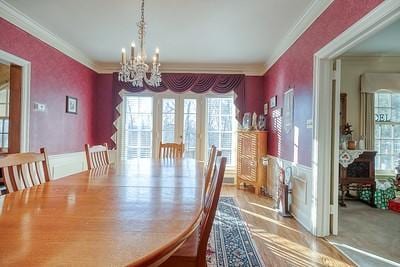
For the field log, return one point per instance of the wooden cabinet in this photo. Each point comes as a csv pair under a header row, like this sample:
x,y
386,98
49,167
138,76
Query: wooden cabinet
x,y
358,174
252,146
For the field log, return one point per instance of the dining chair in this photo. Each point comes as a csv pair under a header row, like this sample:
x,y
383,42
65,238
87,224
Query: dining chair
x,y
24,170
171,150
209,168
193,251
97,156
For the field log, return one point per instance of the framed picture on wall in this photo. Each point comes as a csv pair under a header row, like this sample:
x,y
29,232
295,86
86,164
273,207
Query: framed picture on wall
x,y
72,105
288,110
272,101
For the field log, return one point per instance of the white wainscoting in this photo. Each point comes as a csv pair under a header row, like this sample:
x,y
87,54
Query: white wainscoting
x,y
70,163
300,199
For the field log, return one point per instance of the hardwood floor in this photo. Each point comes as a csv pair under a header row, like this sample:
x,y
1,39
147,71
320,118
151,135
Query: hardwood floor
x,y
283,241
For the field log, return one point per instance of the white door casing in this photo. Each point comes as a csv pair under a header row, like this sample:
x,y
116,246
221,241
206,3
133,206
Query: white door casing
x,y
25,95
382,16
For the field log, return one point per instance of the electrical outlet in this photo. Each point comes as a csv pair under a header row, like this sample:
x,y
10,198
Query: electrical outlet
x,y
39,107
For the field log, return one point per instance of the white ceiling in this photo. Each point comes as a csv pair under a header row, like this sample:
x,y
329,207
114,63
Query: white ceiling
x,y
386,43
186,31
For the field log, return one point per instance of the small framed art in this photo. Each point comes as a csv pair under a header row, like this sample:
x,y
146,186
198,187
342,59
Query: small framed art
x,y
266,109
72,105
272,101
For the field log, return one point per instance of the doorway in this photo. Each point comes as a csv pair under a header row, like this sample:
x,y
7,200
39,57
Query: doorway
x,y
324,107
14,103
330,66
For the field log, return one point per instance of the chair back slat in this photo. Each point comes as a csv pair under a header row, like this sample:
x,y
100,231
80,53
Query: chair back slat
x,y
171,150
25,170
32,173
210,208
97,156
209,169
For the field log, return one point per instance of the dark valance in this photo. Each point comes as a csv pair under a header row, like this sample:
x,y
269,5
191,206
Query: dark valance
x,y
188,82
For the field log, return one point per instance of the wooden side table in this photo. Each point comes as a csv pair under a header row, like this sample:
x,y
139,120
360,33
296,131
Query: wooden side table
x,y
358,173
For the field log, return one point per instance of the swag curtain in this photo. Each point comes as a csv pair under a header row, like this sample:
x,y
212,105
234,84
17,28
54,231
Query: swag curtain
x,y
185,82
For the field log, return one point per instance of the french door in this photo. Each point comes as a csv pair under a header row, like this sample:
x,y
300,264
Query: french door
x,y
179,122
199,121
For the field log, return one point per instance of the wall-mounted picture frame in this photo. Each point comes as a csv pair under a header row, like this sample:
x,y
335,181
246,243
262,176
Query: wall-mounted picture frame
x,y
288,100
71,105
266,109
273,101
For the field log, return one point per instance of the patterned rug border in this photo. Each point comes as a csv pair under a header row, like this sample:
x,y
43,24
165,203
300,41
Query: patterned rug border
x,y
247,228
220,254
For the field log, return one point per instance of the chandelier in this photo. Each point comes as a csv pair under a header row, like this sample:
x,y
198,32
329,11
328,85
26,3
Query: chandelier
x,y
134,69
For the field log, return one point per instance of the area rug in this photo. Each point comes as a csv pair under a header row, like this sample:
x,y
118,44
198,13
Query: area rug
x,y
230,242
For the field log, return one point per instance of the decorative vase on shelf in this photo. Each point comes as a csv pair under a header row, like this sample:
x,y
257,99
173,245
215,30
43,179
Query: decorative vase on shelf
x,y
254,121
351,144
361,143
344,145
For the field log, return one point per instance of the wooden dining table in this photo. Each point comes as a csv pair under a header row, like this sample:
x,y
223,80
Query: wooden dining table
x,y
133,213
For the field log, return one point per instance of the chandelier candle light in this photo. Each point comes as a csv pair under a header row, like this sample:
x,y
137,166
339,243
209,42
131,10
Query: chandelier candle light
x,y
135,69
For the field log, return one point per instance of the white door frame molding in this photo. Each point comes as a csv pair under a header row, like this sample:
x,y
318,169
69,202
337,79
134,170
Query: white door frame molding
x,y
25,95
377,19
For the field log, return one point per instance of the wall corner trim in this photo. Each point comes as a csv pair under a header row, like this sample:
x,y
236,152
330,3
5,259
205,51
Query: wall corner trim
x,y
313,11
16,17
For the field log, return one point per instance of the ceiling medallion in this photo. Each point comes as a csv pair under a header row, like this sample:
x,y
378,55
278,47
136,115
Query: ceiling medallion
x,y
134,70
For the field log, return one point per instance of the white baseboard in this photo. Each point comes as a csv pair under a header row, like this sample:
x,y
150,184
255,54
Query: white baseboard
x,y
66,164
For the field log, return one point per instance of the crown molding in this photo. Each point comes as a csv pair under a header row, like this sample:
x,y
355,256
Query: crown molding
x,y
313,11
16,17
247,69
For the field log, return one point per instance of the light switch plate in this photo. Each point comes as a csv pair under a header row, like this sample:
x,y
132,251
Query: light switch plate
x,y
309,124
39,107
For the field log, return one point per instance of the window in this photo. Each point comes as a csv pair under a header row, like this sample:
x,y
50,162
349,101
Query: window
x,y
198,121
168,120
137,135
4,116
387,129
220,126
189,127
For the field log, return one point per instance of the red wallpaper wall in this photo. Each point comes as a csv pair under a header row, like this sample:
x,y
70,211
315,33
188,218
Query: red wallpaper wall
x,y
104,108
54,76
254,94
295,68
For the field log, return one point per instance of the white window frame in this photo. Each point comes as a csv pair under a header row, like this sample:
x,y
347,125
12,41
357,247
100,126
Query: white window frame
x,y
121,123
201,121
231,167
377,170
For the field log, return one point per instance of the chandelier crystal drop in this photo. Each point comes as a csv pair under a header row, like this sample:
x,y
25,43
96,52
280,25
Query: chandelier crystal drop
x,y
134,70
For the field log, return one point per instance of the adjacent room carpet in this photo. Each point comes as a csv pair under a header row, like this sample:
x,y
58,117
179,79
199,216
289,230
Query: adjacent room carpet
x,y
369,236
230,242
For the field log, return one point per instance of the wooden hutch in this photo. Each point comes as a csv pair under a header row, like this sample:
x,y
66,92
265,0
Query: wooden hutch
x,y
252,146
